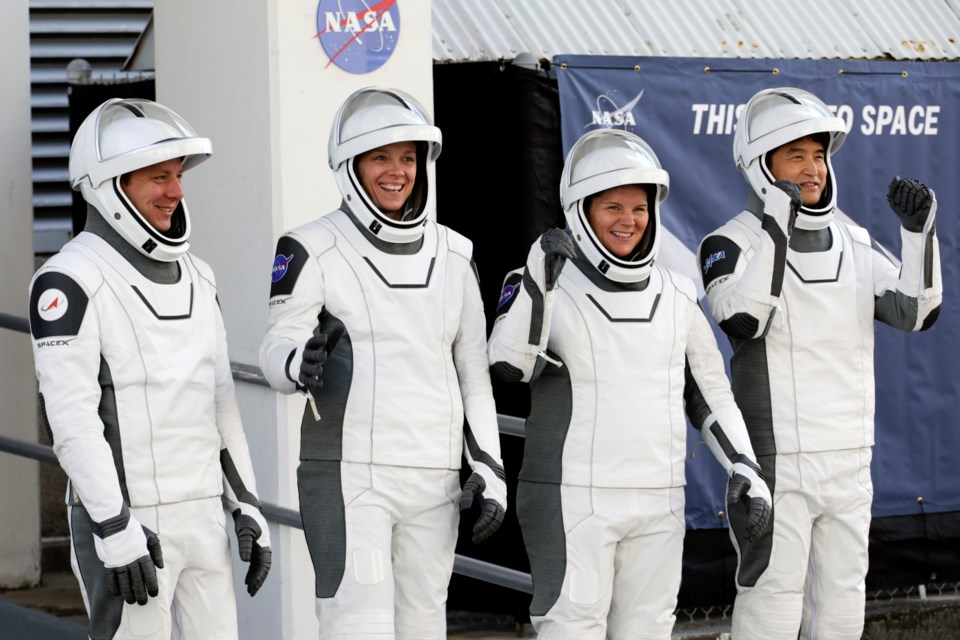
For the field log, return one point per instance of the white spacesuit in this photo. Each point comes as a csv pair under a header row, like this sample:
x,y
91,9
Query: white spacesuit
x,y
396,362
136,389
797,290
613,347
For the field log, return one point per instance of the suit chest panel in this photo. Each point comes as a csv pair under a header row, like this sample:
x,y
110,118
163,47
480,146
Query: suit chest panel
x,y
820,296
622,338
161,333
404,299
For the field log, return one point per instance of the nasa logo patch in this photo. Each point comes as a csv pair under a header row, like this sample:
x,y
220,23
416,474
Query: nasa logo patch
x,y
280,264
507,294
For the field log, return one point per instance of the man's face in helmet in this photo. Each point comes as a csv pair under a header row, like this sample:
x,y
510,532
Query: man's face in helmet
x,y
618,217
804,162
388,174
156,191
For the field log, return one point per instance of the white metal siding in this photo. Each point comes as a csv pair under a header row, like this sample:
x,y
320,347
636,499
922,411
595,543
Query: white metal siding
x,y
478,30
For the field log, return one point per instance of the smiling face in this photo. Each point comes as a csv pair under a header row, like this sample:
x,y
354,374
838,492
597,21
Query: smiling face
x,y
618,217
388,174
156,191
804,162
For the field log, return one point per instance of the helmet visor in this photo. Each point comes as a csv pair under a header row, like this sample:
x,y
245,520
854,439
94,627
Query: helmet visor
x,y
132,134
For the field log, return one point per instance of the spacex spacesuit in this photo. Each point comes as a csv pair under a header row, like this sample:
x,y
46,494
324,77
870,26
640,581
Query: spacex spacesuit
x,y
797,290
613,347
136,389
379,319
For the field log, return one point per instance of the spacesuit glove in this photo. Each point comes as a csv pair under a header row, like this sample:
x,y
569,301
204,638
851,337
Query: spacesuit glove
x,y
747,485
786,207
249,531
911,201
492,502
311,365
131,557
557,246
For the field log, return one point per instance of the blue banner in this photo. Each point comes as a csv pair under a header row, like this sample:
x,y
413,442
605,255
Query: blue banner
x,y
902,119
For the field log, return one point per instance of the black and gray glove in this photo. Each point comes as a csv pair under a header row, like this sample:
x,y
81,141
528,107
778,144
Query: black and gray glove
x,y
747,486
911,201
311,367
315,353
260,558
136,581
557,246
491,511
792,190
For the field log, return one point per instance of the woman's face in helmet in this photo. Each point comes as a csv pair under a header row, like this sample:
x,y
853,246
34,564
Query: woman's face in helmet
x,y
388,174
618,217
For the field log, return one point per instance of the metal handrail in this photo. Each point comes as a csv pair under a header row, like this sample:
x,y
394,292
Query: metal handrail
x,y
16,323
462,565
509,425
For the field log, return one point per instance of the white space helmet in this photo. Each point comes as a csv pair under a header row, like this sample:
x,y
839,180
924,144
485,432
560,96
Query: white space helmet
x,y
123,135
600,160
771,119
375,117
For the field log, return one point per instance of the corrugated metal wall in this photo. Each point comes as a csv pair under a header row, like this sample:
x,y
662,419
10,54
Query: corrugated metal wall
x,y
103,32
473,31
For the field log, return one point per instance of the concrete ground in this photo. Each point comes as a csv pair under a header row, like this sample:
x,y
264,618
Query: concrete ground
x,y
54,611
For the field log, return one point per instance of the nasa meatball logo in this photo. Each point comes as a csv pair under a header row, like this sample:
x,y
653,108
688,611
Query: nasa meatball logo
x,y
52,305
507,294
358,36
280,264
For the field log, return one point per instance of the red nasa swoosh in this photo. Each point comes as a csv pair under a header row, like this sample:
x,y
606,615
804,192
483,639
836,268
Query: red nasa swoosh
x,y
380,8
53,305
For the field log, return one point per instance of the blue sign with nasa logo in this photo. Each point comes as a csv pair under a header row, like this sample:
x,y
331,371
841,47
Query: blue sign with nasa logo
x,y
357,36
899,122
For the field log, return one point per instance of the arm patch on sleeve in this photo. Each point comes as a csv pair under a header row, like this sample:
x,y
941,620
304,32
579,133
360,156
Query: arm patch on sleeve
x,y
287,265
57,305
718,257
511,286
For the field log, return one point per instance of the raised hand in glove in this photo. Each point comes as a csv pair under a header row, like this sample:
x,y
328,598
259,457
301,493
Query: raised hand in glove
x,y
792,190
260,557
557,246
911,201
747,486
491,511
119,539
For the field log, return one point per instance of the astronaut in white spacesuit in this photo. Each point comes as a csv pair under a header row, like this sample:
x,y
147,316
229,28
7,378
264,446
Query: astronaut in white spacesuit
x,y
375,314
797,289
615,348
137,393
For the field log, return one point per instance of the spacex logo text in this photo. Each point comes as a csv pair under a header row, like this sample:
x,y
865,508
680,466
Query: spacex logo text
x,y
54,343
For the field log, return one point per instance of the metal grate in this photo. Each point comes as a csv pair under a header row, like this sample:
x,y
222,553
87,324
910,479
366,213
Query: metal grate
x,y
104,33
